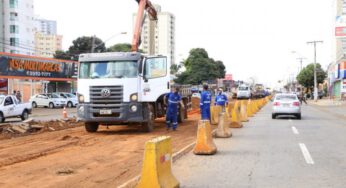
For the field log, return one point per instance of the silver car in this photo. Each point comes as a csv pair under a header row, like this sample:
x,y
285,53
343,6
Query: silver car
x,y
286,104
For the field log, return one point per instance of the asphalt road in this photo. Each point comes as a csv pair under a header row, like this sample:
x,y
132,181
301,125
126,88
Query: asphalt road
x,y
275,153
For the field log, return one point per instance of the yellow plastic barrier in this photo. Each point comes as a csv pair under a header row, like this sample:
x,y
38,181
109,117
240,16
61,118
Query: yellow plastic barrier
x,y
235,120
205,144
214,113
195,103
156,171
249,109
223,130
243,111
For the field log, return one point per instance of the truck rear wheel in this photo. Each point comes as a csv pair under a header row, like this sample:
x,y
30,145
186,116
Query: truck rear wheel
x,y
91,127
149,116
25,115
2,118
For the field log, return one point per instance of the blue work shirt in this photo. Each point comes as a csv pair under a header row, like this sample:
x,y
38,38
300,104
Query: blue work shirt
x,y
205,99
221,99
173,100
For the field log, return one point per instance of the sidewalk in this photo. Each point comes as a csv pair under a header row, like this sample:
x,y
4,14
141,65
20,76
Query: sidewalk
x,y
327,102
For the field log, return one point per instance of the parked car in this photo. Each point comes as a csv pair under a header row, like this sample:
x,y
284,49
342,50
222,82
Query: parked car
x,y
286,104
10,107
72,100
244,92
50,100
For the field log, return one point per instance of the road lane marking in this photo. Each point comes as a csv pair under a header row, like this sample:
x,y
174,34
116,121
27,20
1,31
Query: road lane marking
x,y
295,130
306,154
290,120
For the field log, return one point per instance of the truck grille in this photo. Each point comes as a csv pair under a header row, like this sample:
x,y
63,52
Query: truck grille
x,y
114,99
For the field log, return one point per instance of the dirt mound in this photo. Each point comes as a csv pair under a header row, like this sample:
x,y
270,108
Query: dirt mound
x,y
12,130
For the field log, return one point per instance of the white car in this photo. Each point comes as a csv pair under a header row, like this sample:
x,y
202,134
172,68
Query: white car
x,y
10,107
286,104
244,92
47,100
72,100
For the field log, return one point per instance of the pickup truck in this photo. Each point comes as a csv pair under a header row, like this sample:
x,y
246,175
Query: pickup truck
x,y
10,107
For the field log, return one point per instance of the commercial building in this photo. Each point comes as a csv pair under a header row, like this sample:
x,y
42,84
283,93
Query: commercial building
x,y
47,44
159,37
336,70
48,27
17,27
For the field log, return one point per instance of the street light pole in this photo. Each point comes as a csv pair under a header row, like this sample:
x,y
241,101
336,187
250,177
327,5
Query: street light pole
x,y
315,72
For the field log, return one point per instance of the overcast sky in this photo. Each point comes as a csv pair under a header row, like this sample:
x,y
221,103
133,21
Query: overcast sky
x,y
254,38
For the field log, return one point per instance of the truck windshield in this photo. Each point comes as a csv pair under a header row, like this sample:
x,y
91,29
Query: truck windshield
x,y
243,88
108,69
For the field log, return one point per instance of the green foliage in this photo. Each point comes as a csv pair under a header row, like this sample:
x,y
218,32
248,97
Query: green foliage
x,y
306,76
62,55
200,68
175,68
121,47
84,45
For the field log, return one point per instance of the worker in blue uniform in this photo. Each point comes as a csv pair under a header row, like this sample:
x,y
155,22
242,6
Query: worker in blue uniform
x,y
205,103
221,99
172,101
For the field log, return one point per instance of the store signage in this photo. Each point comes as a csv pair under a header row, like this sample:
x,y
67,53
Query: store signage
x,y
25,66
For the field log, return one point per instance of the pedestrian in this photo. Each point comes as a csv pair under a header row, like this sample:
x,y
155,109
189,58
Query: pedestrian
x,y
19,96
205,103
221,99
173,99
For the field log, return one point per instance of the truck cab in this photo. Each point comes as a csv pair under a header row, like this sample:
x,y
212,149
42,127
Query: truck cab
x,y
244,92
121,87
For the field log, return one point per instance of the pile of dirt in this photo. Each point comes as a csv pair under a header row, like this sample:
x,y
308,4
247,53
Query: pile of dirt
x,y
29,127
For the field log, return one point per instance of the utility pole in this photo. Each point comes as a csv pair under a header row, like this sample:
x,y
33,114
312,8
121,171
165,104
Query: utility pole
x,y
301,62
93,44
315,73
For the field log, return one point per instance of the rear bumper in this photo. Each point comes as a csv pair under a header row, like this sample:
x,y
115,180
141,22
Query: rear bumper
x,y
286,111
120,114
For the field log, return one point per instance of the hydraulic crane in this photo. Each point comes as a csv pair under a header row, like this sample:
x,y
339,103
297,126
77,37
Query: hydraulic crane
x,y
143,5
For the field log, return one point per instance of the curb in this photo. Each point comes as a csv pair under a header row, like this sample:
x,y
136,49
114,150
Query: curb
x,y
176,156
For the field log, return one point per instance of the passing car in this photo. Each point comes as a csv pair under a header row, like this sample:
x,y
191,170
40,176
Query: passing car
x,y
244,92
72,100
10,107
286,104
50,100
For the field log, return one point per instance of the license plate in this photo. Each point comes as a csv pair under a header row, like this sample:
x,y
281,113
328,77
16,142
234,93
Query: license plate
x,y
105,112
285,105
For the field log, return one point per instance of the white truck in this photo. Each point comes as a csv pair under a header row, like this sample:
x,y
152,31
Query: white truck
x,y
123,87
10,107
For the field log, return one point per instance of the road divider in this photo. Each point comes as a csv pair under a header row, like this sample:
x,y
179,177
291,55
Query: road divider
x,y
235,115
243,111
157,171
223,130
204,144
215,111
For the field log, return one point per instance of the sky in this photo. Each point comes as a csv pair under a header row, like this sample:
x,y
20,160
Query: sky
x,y
254,38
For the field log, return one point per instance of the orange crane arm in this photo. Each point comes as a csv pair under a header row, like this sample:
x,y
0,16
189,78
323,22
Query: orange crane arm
x,y
143,5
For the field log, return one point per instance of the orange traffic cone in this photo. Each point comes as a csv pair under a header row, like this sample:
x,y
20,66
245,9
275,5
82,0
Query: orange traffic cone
x,y
64,113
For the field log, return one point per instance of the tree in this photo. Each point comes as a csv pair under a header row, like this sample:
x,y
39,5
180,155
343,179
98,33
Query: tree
x,y
84,45
121,47
175,68
200,68
306,76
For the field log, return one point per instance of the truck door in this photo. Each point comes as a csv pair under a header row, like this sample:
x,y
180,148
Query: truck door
x,y
156,77
8,107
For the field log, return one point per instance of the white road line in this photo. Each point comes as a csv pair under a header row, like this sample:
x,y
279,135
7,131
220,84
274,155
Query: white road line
x,y
295,130
290,120
306,154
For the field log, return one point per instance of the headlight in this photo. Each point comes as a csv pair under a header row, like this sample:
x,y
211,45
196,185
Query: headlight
x,y
134,97
81,99
133,108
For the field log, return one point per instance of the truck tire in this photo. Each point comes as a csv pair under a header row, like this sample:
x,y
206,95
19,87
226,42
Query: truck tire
x,y
2,118
181,114
149,116
25,115
69,104
91,127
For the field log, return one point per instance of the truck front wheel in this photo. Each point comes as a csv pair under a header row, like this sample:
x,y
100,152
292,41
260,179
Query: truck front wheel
x,y
149,116
91,127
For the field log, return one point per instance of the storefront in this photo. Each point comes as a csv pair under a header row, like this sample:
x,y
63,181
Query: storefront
x,y
31,75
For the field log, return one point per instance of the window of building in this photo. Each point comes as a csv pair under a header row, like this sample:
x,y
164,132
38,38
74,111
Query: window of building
x,y
13,16
13,3
14,41
14,29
